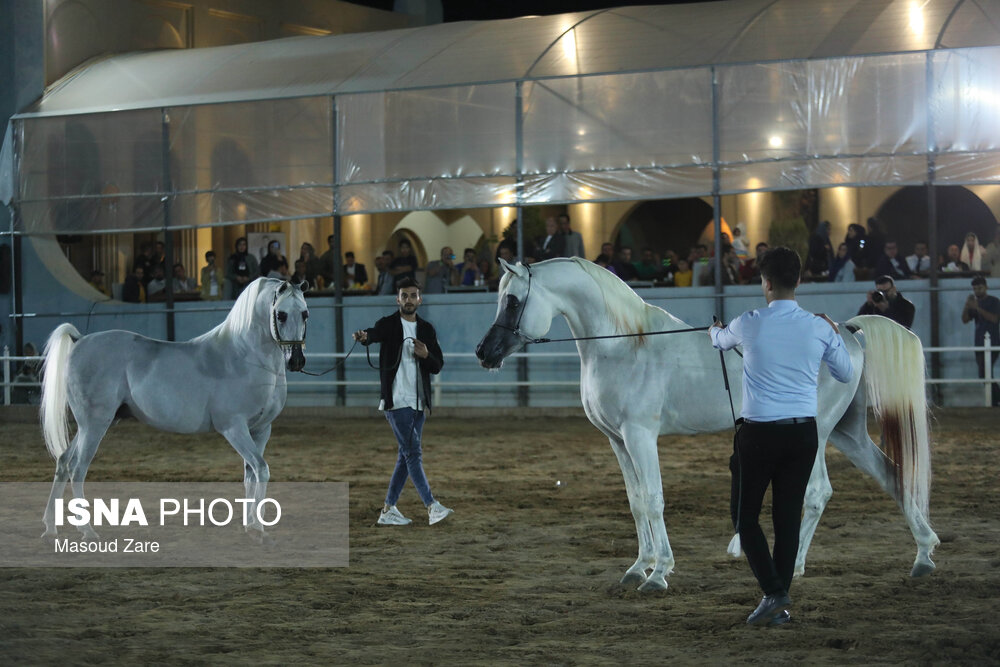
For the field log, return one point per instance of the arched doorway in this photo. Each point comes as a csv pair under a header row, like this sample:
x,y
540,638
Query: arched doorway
x,y
959,211
665,224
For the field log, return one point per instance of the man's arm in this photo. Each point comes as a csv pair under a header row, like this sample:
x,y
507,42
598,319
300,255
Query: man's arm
x,y
992,311
906,313
433,362
837,358
726,338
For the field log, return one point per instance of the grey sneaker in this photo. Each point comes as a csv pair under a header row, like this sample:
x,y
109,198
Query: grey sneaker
x,y
392,517
437,512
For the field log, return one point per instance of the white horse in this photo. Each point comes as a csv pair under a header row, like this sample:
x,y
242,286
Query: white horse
x,y
231,379
634,389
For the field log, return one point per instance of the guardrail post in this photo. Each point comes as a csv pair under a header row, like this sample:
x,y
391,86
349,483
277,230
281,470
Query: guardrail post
x,y
6,375
988,369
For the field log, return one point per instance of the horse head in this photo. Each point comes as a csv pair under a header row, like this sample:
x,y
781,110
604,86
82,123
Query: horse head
x,y
288,322
523,314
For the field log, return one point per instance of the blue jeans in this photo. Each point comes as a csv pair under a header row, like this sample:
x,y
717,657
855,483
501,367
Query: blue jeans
x,y
408,425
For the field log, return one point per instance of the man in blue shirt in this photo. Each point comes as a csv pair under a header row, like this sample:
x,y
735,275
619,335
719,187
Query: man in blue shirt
x,y
776,444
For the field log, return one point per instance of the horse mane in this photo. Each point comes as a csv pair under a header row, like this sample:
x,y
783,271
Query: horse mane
x,y
626,309
240,318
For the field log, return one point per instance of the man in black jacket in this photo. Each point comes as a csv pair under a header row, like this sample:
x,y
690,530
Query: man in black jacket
x,y
409,354
886,300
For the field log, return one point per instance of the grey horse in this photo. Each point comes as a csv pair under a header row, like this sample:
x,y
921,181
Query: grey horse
x,y
231,379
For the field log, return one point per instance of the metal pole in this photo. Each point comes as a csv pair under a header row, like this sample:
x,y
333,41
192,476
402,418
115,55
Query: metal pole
x,y
720,305
523,392
338,270
932,227
6,375
987,368
168,240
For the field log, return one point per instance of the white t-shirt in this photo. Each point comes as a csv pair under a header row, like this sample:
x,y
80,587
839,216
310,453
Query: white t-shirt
x,y
404,386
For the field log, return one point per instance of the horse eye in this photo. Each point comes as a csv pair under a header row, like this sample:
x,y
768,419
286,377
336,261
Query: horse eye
x,y
305,315
512,302
282,316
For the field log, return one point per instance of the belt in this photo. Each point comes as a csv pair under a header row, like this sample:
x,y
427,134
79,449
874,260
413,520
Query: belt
x,y
784,422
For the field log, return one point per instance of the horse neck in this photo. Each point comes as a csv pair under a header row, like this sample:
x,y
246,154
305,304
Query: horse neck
x,y
578,298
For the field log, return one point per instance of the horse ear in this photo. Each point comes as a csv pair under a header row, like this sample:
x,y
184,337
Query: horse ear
x,y
303,286
282,287
517,269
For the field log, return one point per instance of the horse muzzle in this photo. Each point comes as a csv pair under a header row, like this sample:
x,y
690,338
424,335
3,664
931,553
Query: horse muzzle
x,y
297,360
495,346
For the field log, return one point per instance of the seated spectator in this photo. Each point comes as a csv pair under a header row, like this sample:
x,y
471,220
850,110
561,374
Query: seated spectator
x,y
181,284
820,255
300,276
919,262
605,262
952,264
683,275
890,264
144,260
624,267
274,264
158,283
355,274
886,300
404,266
991,255
441,272
739,241
97,282
468,271
857,243
384,282
842,269
313,265
212,279
133,289
647,267
607,249
241,268
750,271
505,251
972,253
730,270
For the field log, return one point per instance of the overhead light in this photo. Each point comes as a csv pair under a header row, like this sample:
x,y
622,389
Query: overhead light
x,y
775,141
917,17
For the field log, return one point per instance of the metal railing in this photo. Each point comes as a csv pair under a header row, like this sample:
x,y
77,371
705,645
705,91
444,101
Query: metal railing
x,y
438,385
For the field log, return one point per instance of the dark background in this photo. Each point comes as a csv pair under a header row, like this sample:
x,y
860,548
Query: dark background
x,y
471,10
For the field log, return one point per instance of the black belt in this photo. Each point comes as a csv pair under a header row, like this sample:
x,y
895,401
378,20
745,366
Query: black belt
x,y
784,422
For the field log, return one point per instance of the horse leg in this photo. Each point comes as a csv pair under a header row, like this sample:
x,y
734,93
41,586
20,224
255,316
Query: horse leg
x,y
64,467
90,432
260,438
640,442
818,494
851,437
635,575
239,437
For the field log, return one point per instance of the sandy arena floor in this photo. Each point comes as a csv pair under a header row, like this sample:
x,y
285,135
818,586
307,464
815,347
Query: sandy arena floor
x,y
524,572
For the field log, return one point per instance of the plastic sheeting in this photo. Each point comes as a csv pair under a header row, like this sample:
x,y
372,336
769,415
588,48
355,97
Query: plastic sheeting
x,y
586,115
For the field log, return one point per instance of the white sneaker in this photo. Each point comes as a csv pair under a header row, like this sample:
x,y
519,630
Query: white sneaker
x,y
392,517
437,512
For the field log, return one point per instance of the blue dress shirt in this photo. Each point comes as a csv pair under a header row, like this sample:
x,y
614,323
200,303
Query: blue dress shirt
x,y
783,346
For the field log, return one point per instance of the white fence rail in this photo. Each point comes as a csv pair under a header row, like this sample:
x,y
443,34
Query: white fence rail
x,y
14,381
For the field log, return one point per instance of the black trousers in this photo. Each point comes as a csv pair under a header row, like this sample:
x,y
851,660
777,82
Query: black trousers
x,y
980,358
782,456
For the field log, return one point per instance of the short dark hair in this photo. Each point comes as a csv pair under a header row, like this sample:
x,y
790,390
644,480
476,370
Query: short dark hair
x,y
349,254
782,266
407,282
881,280
978,280
210,253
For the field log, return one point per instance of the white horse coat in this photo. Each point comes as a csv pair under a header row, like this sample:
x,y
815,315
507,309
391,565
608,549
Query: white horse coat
x,y
635,389
231,379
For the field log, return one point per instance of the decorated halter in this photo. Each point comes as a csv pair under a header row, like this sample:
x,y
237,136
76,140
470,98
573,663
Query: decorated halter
x,y
515,305
274,325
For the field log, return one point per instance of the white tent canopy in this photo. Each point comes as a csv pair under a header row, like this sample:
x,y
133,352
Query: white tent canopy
x,y
620,104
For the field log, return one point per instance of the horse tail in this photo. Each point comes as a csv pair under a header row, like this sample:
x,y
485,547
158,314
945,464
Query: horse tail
x,y
53,412
894,376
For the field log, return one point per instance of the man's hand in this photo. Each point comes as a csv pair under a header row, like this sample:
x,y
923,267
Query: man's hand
x,y
869,300
715,325
420,349
972,303
883,305
361,336
833,324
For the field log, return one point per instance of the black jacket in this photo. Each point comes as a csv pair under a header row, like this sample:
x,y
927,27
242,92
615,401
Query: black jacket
x,y
389,332
900,310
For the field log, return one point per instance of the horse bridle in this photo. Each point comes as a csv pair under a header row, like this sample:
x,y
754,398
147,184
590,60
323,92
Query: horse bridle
x,y
516,329
274,326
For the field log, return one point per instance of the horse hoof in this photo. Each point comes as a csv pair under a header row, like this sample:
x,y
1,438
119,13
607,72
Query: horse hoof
x,y
651,585
799,571
89,533
49,535
633,579
922,568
